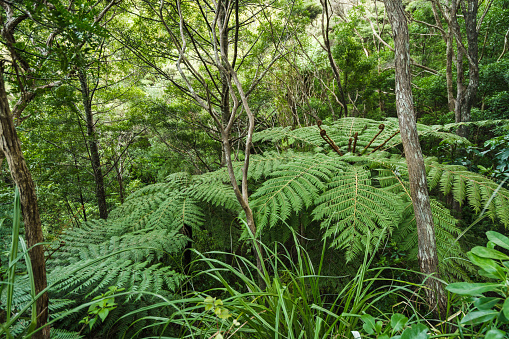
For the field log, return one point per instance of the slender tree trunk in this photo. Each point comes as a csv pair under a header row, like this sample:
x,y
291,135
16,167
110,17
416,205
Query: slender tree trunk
x,y
120,180
335,70
95,159
448,72
11,147
460,87
470,15
428,260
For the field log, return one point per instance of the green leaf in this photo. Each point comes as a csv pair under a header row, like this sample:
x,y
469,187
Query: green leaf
x,y
417,331
219,336
398,321
92,322
488,265
383,336
489,253
103,314
464,288
494,334
478,317
224,314
369,323
209,303
499,239
505,308
485,303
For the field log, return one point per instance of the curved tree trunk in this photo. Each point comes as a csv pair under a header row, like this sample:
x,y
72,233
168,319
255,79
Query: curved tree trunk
x,y
11,147
428,260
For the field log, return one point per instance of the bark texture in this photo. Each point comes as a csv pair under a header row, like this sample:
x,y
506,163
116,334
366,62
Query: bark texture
x,y
93,147
428,260
11,147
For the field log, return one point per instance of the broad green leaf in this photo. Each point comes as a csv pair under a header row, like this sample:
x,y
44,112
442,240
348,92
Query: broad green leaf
x,y
398,321
369,323
92,322
505,308
225,314
464,288
499,239
495,334
417,331
383,336
488,265
478,317
486,303
103,314
489,253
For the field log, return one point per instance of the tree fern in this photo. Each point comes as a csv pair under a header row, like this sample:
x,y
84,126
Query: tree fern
x,y
371,135
352,205
452,259
292,187
474,188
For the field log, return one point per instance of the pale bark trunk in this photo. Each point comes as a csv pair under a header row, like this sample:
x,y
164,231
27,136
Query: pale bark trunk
x,y
427,255
470,15
451,102
11,147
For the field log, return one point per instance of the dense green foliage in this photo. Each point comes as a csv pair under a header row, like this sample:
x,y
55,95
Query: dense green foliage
x,y
330,193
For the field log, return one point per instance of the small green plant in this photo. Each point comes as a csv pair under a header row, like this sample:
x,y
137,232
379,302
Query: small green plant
x,y
398,324
102,307
10,324
216,306
490,300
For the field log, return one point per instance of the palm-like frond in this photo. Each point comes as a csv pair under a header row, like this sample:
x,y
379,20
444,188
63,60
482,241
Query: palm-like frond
x,y
351,206
479,191
452,259
292,187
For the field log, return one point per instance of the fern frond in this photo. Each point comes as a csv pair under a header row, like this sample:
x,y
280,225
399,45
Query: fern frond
x,y
452,259
292,187
478,190
351,206
56,333
308,135
216,194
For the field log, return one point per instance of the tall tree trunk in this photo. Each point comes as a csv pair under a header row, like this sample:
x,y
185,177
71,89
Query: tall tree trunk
x,y
93,148
335,70
428,259
451,102
11,147
470,15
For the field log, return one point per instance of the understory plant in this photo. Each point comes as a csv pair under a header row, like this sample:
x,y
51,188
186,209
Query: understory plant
x,y
293,304
486,304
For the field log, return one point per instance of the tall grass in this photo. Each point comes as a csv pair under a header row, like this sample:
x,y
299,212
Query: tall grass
x,y
293,304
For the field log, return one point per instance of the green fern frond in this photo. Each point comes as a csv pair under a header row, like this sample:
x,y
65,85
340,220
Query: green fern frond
x,y
481,123
478,190
292,187
216,194
452,259
351,206
56,333
262,166
307,135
